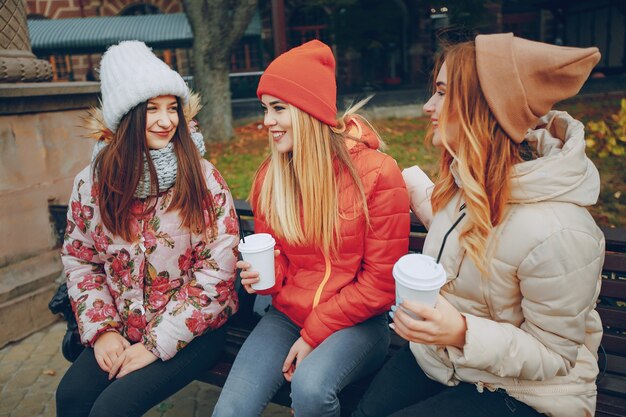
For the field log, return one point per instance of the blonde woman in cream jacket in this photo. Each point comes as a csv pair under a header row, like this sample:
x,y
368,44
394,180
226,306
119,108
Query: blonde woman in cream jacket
x,y
514,331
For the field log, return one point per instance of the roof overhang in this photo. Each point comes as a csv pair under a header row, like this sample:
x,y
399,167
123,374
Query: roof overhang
x,y
96,34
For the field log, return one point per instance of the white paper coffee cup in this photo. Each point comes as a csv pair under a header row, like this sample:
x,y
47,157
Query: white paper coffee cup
x,y
258,251
418,278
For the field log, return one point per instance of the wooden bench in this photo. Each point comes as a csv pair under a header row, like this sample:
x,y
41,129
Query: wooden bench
x,y
611,306
612,309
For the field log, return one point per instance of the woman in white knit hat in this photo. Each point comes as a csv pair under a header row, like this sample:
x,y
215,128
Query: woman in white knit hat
x,y
149,251
514,331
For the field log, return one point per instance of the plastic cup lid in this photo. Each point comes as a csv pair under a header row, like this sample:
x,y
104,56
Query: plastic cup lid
x,y
257,242
419,272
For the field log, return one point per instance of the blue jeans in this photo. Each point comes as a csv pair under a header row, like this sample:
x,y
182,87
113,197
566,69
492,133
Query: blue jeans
x,y
256,375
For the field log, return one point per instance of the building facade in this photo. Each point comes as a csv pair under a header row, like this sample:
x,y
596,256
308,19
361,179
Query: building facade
x,y
379,44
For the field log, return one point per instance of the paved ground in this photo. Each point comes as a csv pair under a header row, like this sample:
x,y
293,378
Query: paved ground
x,y
30,371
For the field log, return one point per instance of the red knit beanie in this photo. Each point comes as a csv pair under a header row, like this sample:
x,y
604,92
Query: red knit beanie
x,y
304,77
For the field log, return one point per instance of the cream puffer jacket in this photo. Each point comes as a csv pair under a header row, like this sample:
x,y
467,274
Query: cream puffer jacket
x,y
531,325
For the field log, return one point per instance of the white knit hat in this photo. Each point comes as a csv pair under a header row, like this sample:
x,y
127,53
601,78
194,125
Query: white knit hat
x,y
131,74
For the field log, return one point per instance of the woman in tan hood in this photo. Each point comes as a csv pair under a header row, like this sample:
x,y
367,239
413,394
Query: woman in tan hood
x,y
514,331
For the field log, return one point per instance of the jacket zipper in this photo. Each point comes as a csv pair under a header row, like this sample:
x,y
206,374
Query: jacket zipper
x,y
537,390
480,387
318,293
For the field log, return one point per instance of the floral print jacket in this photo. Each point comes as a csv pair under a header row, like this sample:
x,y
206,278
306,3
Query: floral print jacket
x,y
162,290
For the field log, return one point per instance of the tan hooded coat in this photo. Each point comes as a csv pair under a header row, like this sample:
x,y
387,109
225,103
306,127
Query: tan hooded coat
x,y
531,325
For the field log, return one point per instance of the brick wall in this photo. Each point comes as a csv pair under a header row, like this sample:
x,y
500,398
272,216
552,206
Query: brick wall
x,y
64,9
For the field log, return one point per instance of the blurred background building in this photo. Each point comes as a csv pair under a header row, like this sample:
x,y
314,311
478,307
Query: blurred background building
x,y
379,44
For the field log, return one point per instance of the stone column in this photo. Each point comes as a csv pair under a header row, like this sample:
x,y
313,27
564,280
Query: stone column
x,y
17,62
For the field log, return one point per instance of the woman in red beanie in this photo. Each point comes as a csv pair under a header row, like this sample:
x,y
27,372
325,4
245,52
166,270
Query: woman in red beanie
x,y
514,332
339,212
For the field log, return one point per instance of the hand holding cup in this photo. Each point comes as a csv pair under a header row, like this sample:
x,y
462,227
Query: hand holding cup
x,y
442,325
249,276
258,262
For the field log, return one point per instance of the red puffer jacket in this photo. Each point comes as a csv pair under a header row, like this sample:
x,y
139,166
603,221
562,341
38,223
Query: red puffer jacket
x,y
323,295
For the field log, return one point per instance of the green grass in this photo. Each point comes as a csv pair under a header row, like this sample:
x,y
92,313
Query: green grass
x,y
238,159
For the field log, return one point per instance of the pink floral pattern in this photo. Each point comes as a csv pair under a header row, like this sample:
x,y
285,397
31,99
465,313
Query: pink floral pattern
x,y
220,180
101,311
197,258
219,200
231,222
82,215
198,322
92,282
191,295
101,240
77,249
121,268
163,289
135,325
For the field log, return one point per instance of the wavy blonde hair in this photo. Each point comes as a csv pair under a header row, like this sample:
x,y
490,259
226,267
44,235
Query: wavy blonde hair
x,y
484,153
299,195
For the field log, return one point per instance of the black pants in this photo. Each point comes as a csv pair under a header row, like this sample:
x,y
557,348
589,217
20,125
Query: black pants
x,y
85,390
401,389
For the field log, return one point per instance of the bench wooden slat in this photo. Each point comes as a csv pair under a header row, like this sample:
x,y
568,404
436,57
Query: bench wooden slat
x,y
613,288
608,406
612,317
615,344
615,239
243,208
615,364
247,226
416,225
615,262
614,385
416,243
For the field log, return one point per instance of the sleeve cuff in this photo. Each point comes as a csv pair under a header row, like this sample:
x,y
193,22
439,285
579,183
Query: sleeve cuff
x,y
105,329
307,338
477,352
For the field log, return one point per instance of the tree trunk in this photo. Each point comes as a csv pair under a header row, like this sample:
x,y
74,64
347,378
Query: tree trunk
x,y
213,84
217,27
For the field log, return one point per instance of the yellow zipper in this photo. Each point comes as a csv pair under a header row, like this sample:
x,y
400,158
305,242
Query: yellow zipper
x,y
318,293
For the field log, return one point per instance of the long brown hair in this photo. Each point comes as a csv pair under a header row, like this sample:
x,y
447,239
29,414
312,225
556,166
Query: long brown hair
x,y
119,167
484,154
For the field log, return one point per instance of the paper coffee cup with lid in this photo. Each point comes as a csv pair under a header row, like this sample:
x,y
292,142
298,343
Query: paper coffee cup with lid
x,y
418,278
258,251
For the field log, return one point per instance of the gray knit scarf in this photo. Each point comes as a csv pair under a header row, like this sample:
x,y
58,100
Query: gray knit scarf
x,y
165,163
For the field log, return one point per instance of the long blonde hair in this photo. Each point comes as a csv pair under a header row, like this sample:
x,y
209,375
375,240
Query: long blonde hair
x,y
484,154
299,194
